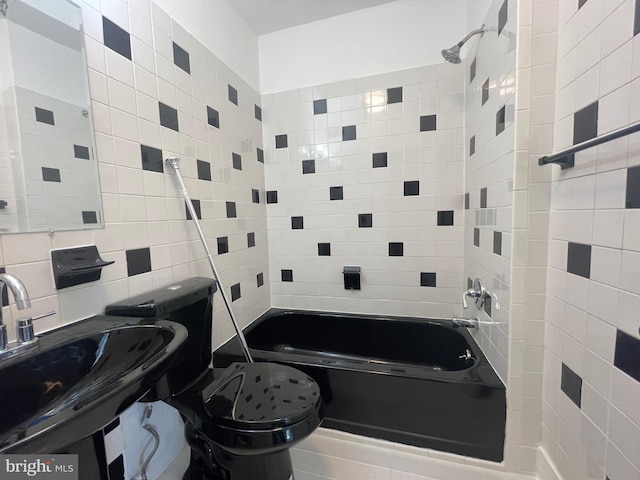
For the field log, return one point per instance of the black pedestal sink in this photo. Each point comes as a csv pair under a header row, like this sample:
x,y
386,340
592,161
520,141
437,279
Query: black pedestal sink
x,y
79,378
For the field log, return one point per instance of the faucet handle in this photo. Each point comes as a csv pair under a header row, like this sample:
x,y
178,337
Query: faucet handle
x,y
43,315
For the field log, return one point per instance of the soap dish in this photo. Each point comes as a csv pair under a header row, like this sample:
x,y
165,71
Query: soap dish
x,y
75,266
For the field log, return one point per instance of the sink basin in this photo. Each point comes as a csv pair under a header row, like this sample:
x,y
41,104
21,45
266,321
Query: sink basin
x,y
79,378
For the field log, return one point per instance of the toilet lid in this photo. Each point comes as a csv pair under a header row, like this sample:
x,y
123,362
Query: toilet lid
x,y
261,396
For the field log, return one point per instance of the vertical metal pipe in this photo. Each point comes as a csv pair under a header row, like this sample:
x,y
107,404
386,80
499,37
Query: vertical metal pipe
x,y
174,162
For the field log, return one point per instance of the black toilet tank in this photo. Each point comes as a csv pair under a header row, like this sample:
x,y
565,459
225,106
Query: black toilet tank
x,y
189,303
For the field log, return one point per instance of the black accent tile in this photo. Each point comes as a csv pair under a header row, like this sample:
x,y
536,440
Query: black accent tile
x,y
116,469
5,292
485,91
260,155
286,275
571,385
469,283
476,237
197,207
365,220
235,292
627,356
282,141
579,259
396,249
324,249
466,201
181,58
151,159
116,38
81,152
168,117
236,160
204,170
223,245
581,3
427,279
445,217
251,239
497,243
213,117
297,223
380,160
501,120
44,116
487,305
636,23
585,123
260,279
50,174
348,133
138,261
258,113
472,70
483,197
503,16
428,123
233,95
89,217
394,95
231,210
255,195
336,193
320,106
272,196
633,187
308,166
472,145
412,188
111,426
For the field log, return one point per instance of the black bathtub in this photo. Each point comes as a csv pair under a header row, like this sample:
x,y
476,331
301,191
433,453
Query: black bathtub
x,y
413,381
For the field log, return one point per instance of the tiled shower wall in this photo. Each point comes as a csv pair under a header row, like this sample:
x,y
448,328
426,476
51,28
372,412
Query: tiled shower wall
x,y
591,415
367,172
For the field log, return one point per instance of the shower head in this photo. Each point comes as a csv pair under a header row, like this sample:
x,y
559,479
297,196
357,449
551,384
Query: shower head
x,y
452,55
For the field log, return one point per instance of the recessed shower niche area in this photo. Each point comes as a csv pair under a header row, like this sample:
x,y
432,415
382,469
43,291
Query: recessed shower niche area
x,y
427,208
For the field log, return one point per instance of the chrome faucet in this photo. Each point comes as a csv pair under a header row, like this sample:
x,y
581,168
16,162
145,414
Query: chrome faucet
x,y
465,322
22,301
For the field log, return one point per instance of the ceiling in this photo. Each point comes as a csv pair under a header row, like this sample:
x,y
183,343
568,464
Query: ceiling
x,y
266,16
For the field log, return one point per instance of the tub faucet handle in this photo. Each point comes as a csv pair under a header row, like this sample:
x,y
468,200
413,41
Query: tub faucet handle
x,y
477,292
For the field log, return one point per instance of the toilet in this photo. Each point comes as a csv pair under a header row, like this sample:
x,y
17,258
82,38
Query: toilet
x,y
240,421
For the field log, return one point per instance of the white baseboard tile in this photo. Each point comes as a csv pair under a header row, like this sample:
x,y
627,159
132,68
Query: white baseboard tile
x,y
545,467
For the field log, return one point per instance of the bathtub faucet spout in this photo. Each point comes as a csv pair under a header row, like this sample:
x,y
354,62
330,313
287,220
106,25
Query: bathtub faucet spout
x,y
465,322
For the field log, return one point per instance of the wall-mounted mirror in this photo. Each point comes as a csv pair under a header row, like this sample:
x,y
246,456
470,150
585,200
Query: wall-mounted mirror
x,y
48,167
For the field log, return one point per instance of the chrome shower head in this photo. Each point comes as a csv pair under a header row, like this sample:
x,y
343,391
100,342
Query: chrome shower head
x,y
452,55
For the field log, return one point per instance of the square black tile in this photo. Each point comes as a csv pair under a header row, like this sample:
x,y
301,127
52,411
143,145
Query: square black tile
x,y
260,279
320,106
476,237
412,188
394,95
286,275
51,174
272,196
396,249
204,170
428,123
233,95
236,160
44,116
445,218
5,292
633,188
282,141
260,155
503,16
571,385
297,223
627,356
581,3
81,152
348,133
111,426
483,197
138,261
324,249
251,239
485,91
223,245
427,279
89,217
151,159
255,195
466,201
116,38
258,113
380,160
636,22
308,166
197,207
472,70
116,468
336,193
181,58
487,306
235,292
501,120
497,243
585,123
472,145
365,220
168,117
231,209
213,117
579,259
